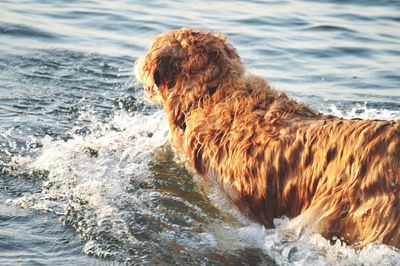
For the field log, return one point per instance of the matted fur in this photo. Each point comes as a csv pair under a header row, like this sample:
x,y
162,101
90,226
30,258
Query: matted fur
x,y
272,155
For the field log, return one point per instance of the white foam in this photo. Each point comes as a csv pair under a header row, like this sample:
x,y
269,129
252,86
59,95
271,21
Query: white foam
x,y
363,112
306,249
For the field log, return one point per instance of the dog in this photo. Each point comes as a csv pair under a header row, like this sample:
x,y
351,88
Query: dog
x,y
271,155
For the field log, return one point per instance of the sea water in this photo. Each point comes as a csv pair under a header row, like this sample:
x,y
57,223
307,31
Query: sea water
x,y
87,175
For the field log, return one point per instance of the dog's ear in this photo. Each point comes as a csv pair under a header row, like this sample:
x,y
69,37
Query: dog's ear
x,y
165,64
166,71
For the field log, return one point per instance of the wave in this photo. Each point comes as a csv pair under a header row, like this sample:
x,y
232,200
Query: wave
x,y
25,31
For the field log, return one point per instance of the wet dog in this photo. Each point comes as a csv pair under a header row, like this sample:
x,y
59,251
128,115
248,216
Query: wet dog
x,y
274,156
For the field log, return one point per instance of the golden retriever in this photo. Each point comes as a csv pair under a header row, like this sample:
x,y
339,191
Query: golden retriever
x,y
272,155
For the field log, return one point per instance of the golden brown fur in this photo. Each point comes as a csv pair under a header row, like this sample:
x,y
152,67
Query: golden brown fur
x,y
272,155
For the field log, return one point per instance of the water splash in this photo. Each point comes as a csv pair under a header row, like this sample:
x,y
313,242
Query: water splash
x,y
363,111
87,176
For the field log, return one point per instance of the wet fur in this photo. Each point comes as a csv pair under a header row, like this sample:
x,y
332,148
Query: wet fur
x,y
272,155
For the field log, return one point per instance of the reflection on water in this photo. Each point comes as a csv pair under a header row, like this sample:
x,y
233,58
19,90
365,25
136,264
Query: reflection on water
x,y
87,174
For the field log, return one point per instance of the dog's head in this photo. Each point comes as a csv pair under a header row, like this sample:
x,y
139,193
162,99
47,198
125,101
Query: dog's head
x,y
186,59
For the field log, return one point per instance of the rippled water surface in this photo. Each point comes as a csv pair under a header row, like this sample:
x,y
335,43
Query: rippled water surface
x,y
86,172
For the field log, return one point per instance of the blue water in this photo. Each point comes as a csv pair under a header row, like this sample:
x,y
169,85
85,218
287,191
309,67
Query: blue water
x,y
87,175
